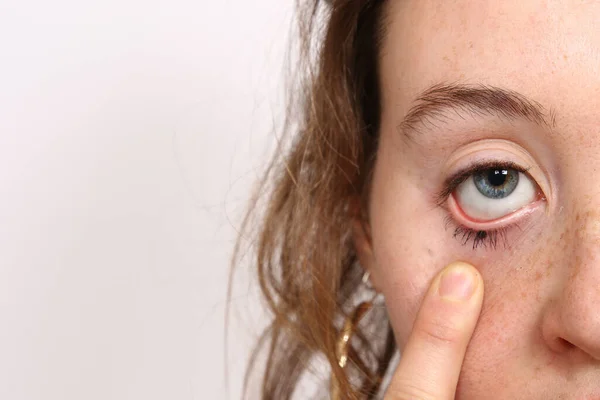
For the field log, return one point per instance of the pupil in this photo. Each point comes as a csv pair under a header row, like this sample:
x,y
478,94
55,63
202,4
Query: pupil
x,y
497,177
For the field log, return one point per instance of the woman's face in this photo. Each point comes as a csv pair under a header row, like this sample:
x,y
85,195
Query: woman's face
x,y
490,154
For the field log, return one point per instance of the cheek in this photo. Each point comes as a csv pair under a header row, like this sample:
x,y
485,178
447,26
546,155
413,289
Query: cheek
x,y
506,349
410,239
411,244
408,259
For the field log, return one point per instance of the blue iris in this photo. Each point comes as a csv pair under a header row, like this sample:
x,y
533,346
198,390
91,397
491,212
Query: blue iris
x,y
496,183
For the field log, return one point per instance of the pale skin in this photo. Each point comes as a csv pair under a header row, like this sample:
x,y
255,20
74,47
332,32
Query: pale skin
x,y
536,334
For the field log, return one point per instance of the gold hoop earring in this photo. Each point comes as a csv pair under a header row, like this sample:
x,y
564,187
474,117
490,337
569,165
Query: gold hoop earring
x,y
343,342
348,330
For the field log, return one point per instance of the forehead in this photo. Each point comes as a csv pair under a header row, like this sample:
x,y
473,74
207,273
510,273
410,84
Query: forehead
x,y
547,50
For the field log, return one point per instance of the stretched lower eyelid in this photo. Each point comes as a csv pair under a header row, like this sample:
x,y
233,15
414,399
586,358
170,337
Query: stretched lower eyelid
x,y
488,234
455,210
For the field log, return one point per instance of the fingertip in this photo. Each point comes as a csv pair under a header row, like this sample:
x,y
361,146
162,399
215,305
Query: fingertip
x,y
460,282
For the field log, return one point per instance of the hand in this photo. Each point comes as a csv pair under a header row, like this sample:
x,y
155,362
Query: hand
x,y
432,358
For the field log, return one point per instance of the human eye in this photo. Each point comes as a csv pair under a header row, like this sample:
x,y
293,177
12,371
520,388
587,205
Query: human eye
x,y
491,193
486,198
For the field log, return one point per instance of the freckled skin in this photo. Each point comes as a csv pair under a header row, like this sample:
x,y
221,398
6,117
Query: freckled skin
x,y
538,336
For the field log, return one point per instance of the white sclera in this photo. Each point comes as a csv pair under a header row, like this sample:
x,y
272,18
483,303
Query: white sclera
x,y
477,206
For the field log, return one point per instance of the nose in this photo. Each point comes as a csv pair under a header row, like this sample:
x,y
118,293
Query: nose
x,y
572,321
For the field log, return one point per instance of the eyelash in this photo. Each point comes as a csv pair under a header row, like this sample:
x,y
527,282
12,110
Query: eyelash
x,y
480,238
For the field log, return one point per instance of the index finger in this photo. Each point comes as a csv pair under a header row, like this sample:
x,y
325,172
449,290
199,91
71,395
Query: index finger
x,y
432,358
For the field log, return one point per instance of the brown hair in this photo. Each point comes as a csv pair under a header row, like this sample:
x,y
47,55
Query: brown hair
x,y
305,260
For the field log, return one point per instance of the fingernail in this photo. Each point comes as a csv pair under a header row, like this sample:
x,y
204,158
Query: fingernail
x,y
457,283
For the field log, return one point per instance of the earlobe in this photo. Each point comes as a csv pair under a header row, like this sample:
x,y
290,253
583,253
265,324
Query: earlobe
x,y
361,236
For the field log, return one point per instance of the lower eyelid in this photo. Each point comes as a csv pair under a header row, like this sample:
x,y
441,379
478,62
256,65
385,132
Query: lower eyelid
x,y
461,218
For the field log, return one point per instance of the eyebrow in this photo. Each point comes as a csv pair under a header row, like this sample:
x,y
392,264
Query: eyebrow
x,y
433,105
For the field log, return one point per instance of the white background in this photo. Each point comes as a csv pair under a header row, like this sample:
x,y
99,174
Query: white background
x,y
130,134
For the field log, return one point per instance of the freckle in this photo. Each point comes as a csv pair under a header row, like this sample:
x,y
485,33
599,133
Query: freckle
x,y
430,252
446,58
565,57
577,217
